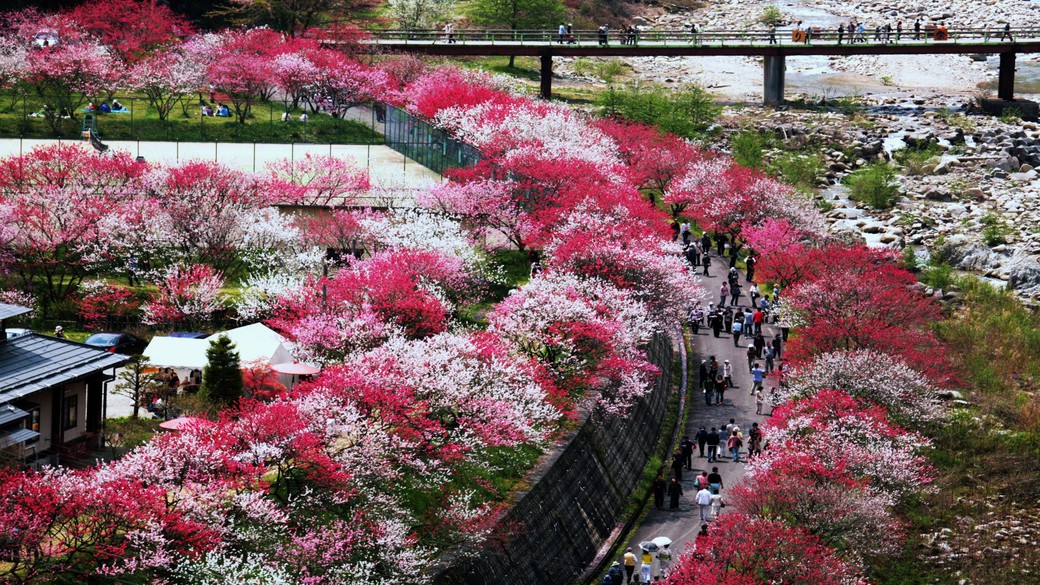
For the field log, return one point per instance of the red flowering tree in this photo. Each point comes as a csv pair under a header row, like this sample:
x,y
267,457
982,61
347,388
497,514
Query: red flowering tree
x,y
134,29
746,549
860,299
188,296
67,75
316,180
243,68
104,306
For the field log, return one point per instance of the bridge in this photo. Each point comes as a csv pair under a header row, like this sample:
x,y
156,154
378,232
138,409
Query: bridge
x,y
774,47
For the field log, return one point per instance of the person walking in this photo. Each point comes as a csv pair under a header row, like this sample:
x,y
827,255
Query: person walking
x,y
760,344
702,374
701,481
704,501
841,31
751,358
723,294
713,444
917,29
716,323
677,464
720,390
720,244
686,447
659,487
749,267
675,492
760,399
778,345
646,563
562,31
734,293
715,481
630,565
734,443
706,262
758,317
701,437
727,374
1007,32
772,34
899,30
738,325
664,562
769,353
716,506
758,377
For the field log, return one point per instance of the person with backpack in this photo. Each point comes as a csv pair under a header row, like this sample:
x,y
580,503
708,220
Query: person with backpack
x,y
614,576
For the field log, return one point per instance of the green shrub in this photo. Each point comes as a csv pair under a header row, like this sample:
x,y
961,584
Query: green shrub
x,y
915,160
747,148
798,170
994,230
686,111
1011,115
771,16
874,185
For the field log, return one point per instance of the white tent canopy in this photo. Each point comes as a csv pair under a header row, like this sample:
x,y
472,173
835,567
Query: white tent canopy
x,y
252,342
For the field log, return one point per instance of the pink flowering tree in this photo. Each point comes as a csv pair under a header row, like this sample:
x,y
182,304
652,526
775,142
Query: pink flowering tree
x,y
188,296
166,79
102,304
833,426
588,334
244,70
316,180
67,75
55,197
870,376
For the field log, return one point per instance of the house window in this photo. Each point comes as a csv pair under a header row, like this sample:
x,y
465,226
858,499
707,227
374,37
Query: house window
x,y
71,412
33,424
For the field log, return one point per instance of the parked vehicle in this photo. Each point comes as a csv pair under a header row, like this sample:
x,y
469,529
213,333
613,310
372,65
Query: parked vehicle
x,y
124,343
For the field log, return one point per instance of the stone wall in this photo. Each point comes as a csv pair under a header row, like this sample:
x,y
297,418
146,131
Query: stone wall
x,y
577,496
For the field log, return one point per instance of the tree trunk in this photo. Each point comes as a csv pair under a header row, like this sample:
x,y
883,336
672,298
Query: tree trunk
x,y
512,59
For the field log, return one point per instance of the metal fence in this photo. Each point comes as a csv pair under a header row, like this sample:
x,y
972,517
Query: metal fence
x,y
424,143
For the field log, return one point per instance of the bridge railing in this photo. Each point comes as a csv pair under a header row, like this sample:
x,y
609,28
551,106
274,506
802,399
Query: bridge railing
x,y
785,36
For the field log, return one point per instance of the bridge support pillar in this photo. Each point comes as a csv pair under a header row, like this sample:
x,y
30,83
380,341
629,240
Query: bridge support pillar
x,y
546,89
1006,77
775,67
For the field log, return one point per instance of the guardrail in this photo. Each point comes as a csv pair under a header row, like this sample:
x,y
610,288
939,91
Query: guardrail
x,y
785,36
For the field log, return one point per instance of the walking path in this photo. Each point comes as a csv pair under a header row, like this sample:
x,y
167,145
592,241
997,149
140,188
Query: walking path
x,y
683,524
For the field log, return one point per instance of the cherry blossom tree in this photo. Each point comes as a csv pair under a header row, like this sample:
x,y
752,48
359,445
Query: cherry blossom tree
x,y
68,75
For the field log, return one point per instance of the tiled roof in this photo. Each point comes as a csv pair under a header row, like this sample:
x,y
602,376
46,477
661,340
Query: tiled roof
x,y
8,311
33,362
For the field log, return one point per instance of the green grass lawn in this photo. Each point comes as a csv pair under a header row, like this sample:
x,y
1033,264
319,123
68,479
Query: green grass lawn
x,y
143,123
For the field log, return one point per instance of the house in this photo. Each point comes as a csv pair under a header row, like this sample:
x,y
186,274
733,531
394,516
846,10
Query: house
x,y
52,392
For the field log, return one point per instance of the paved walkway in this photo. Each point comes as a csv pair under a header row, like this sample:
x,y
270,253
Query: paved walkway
x,y
683,524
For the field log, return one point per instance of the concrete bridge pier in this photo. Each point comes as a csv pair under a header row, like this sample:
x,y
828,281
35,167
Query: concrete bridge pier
x,y
1006,77
546,79
773,83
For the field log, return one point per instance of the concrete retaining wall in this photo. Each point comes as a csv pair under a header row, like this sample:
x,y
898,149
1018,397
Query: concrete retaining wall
x,y
577,496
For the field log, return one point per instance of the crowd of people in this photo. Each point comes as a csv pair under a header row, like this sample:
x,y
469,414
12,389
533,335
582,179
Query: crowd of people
x,y
740,317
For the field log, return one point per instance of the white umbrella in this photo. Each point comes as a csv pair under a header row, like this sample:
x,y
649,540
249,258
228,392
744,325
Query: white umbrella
x,y
662,541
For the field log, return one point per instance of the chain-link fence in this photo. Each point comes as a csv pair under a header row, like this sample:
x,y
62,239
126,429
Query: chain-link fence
x,y
426,144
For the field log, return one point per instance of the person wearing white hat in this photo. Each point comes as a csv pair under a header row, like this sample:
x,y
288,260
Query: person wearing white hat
x,y
59,332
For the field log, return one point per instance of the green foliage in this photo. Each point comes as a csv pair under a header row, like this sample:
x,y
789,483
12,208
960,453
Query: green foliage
x,y
607,70
687,111
771,16
187,124
747,147
874,185
957,120
887,80
798,170
916,160
1011,115
128,432
994,230
222,377
938,274
909,259
518,14
137,381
